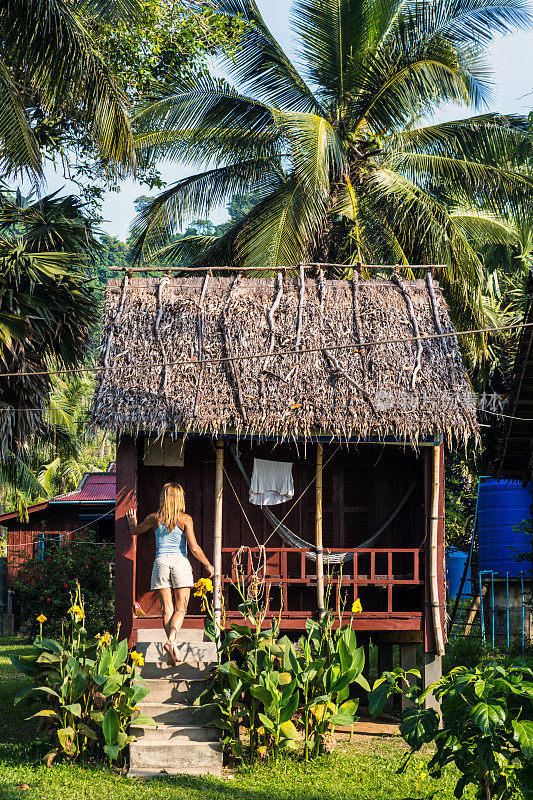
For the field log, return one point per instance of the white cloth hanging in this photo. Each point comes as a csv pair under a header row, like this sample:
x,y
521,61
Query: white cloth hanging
x,y
271,482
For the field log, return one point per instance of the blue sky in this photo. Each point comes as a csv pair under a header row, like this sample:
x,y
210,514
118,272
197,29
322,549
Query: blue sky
x,y
512,58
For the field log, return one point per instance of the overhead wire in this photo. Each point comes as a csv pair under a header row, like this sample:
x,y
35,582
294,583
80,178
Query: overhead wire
x,y
264,355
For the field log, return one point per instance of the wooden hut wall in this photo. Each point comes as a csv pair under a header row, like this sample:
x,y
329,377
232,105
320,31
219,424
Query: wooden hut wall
x,y
22,537
363,485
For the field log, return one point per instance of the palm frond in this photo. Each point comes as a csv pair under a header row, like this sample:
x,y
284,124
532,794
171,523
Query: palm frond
x,y
195,196
261,66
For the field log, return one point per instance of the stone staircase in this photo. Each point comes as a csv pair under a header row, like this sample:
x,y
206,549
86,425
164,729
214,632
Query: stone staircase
x,y
183,742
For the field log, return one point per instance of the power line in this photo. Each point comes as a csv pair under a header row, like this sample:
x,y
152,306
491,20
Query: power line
x,y
265,355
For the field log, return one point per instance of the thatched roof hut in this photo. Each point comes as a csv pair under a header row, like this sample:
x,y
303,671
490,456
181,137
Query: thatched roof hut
x,y
155,331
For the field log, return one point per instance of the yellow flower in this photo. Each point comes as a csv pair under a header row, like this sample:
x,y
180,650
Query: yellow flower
x,y
203,587
41,618
104,640
357,607
77,613
137,658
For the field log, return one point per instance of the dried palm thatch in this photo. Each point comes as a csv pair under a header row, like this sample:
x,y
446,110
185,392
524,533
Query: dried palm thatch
x,y
153,329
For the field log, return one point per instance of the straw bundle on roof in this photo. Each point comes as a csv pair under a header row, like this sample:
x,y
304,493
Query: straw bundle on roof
x,y
153,327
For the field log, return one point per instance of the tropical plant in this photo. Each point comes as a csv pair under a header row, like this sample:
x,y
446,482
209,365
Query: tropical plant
x,y
270,695
50,69
44,581
47,310
342,168
87,688
486,730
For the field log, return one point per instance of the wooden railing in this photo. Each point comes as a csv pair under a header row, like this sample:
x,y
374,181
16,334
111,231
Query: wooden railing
x,y
367,576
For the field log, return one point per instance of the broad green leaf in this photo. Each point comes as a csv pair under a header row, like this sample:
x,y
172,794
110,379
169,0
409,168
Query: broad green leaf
x,y
288,730
112,751
66,739
349,707
26,667
523,734
144,719
342,719
267,723
120,654
88,732
74,709
487,716
111,726
113,683
419,726
46,712
31,689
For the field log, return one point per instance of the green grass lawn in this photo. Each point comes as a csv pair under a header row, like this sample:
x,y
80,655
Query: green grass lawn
x,y
362,771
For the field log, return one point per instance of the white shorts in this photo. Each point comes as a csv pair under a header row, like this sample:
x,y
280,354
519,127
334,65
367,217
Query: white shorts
x,y
173,571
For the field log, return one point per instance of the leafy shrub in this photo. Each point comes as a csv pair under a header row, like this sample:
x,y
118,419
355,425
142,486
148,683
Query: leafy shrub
x,y
465,651
44,585
86,688
271,696
487,726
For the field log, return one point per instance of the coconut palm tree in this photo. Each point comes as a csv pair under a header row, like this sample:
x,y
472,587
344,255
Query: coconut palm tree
x,y
49,63
47,311
336,154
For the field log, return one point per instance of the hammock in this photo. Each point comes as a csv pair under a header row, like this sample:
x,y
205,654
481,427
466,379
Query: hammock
x,y
290,538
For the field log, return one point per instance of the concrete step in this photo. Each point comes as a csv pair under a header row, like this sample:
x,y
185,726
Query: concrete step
x,y
177,714
148,774
178,757
200,653
159,635
174,690
183,733
186,671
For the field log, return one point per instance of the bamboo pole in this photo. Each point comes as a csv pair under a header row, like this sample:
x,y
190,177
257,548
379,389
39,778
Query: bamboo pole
x,y
473,611
318,531
433,551
217,538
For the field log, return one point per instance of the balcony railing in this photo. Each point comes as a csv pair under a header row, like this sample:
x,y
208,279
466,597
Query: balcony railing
x,y
389,583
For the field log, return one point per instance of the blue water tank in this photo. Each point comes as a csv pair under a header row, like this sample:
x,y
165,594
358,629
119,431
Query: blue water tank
x,y
455,565
501,506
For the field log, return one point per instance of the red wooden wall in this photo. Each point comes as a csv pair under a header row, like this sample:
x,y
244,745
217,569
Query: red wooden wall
x,y
362,486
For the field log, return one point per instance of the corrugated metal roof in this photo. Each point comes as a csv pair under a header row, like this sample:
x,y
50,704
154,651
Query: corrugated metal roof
x,y
94,486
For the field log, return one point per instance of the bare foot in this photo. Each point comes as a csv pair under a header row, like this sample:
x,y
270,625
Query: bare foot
x,y
171,658
177,656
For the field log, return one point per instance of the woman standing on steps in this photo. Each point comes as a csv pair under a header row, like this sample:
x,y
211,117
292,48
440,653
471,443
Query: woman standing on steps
x,y
172,573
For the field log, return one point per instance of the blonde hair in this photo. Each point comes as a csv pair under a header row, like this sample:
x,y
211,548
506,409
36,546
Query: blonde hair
x,y
171,505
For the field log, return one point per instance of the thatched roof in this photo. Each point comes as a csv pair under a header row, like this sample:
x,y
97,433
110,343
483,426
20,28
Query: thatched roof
x,y
359,392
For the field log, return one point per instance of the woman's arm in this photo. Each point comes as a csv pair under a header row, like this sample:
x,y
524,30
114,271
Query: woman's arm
x,y
146,525
194,547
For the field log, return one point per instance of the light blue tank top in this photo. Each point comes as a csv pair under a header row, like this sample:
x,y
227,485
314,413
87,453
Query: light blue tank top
x,y
170,543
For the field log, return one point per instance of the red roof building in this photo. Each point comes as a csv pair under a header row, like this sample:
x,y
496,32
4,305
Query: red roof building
x,y
91,506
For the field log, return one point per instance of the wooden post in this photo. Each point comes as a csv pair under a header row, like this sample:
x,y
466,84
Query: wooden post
x,y
125,553
318,532
434,518
217,538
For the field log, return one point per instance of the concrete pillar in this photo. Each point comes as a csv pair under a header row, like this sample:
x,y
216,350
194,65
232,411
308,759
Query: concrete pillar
x,y
408,661
432,672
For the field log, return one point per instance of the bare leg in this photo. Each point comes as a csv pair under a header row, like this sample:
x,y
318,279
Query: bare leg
x,y
181,601
167,611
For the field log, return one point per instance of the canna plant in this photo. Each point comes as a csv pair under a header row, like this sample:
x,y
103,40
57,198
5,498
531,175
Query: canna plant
x,y
87,690
272,695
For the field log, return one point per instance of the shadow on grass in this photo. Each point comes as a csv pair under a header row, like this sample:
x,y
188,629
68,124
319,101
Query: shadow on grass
x,y
229,790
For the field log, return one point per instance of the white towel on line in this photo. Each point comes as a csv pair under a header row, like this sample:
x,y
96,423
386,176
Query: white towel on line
x,y
271,482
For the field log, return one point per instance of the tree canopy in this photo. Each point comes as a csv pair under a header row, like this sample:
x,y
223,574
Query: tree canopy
x,y
335,150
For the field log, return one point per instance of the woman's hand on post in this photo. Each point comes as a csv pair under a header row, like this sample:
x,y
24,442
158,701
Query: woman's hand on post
x,y
210,571
131,516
